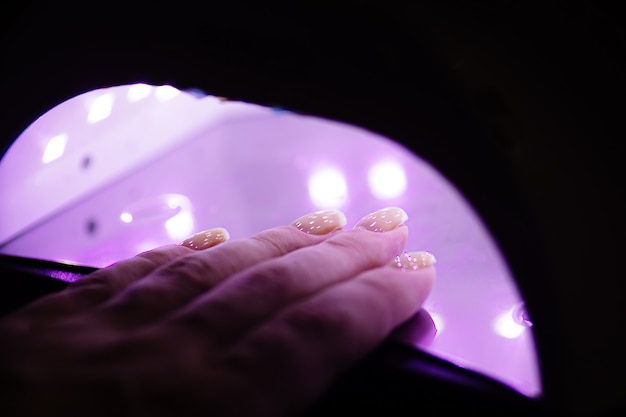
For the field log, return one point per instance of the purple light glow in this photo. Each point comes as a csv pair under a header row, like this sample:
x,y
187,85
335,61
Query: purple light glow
x,y
162,165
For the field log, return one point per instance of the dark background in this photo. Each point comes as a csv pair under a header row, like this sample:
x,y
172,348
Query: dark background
x,y
519,103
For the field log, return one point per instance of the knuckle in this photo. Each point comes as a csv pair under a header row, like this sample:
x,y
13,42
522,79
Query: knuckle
x,y
275,240
191,270
162,256
273,278
284,239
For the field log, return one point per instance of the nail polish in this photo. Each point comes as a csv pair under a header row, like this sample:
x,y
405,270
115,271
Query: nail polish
x,y
320,222
383,220
412,261
206,239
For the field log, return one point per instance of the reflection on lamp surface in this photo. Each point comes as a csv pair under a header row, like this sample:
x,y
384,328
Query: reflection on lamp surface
x,y
100,108
181,225
167,165
387,179
506,326
166,92
439,322
138,92
54,148
126,217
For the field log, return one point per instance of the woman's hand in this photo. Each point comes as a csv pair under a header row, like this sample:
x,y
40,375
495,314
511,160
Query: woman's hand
x,y
256,326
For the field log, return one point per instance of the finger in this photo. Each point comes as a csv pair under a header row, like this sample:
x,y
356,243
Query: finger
x,y
315,340
101,285
120,275
252,296
176,283
95,288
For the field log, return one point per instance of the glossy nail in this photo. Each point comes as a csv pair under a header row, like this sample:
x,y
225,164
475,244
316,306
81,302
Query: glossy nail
x,y
206,239
383,220
320,222
412,261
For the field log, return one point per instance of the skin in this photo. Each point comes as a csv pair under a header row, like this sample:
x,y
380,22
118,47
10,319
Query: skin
x,y
256,326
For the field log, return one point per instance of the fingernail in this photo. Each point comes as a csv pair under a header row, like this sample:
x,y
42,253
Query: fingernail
x,y
320,222
383,220
206,239
412,261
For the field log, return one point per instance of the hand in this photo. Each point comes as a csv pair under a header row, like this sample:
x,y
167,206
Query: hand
x,y
256,326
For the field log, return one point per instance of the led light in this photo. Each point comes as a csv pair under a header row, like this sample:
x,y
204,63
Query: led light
x,y
327,188
126,217
100,108
138,92
387,180
166,92
506,326
54,148
180,226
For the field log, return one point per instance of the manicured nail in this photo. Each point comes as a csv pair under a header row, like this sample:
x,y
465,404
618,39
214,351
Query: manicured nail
x,y
412,261
206,239
320,222
383,220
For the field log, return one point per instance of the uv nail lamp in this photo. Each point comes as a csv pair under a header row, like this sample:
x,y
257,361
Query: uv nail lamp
x,y
121,170
120,143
